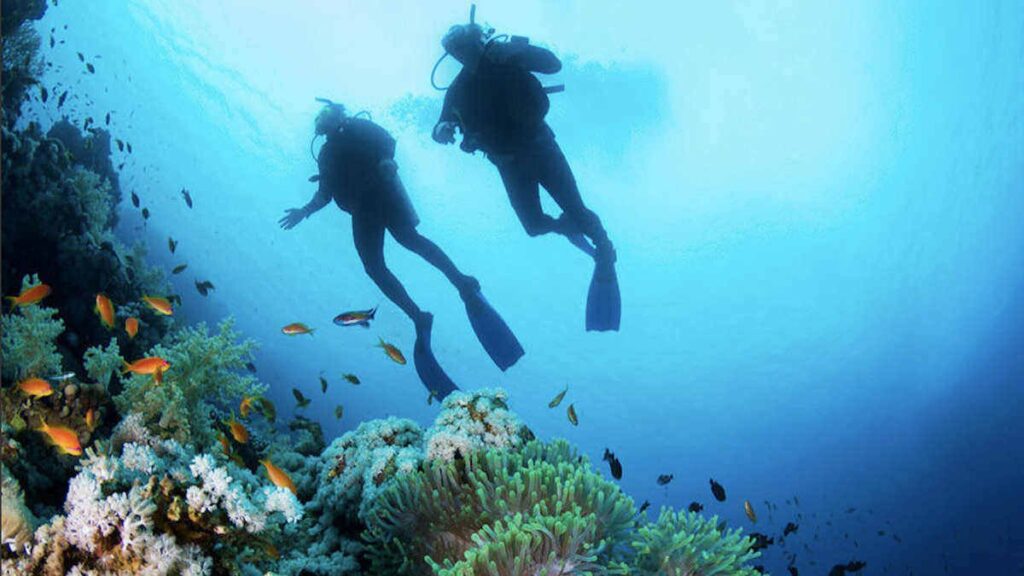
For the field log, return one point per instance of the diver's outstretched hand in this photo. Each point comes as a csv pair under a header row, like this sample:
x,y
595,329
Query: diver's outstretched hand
x,y
444,133
291,218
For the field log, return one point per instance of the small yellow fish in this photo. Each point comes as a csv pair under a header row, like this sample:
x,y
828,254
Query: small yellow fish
x,y
238,431
394,353
62,437
149,365
296,328
278,477
750,511
159,304
131,326
558,399
224,443
30,296
105,310
35,387
571,412
245,406
90,419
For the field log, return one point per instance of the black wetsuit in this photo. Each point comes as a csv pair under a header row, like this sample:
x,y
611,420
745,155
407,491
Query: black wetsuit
x,y
500,107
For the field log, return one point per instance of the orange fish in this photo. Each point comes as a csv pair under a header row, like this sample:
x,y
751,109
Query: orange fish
x,y
279,477
35,387
224,443
90,418
296,328
161,305
30,296
749,510
238,431
149,365
245,406
394,353
64,438
131,326
158,375
105,309
271,551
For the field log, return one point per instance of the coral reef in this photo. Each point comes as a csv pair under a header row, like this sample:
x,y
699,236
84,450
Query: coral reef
x,y
687,544
448,511
17,523
207,376
472,421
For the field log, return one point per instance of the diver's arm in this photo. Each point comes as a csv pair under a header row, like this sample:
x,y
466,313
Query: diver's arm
x,y
293,216
444,129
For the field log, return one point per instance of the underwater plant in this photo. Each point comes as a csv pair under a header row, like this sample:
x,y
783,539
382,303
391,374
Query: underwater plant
x,y
29,340
683,543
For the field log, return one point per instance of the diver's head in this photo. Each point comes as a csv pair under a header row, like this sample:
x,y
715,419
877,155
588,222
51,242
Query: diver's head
x,y
329,119
465,42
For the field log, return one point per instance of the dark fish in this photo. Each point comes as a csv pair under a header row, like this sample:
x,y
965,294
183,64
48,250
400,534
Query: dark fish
x,y
323,384
171,244
717,490
759,568
108,119
135,199
179,269
204,287
613,464
796,500
81,57
431,396
789,529
851,510
251,367
644,507
88,121
314,178
90,68
664,479
558,399
269,411
145,213
571,413
351,379
339,411
120,166
128,145
187,197
120,144
63,97
43,93
300,399
52,41
760,541
793,571
695,507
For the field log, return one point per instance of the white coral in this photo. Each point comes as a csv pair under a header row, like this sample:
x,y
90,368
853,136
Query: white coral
x,y
282,500
473,421
216,490
139,458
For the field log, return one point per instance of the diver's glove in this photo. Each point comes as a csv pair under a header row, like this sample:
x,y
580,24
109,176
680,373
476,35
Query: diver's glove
x,y
444,133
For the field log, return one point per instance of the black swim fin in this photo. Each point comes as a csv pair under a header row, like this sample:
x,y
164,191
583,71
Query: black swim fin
x,y
493,333
429,371
604,304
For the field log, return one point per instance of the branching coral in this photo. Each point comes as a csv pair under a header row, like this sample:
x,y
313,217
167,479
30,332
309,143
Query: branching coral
x,y
29,341
687,544
436,512
206,376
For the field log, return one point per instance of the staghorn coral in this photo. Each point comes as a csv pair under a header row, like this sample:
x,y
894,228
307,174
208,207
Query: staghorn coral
x,y
437,511
471,421
206,376
684,543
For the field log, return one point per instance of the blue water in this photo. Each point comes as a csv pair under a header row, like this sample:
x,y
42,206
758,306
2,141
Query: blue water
x,y
817,210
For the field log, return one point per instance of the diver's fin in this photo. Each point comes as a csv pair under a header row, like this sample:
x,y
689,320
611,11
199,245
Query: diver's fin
x,y
429,371
494,335
604,305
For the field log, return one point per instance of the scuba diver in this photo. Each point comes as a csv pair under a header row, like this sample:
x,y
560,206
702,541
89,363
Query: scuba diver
x,y
499,106
357,170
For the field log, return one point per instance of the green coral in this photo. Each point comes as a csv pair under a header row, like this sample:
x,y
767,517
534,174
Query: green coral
x,y
447,509
102,363
206,374
687,544
29,341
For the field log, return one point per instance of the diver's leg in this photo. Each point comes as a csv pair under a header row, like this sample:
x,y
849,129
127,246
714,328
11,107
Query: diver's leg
x,y
524,194
412,240
557,178
368,234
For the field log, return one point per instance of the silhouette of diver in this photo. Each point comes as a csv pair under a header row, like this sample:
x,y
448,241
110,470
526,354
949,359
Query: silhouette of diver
x,y
499,106
358,171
